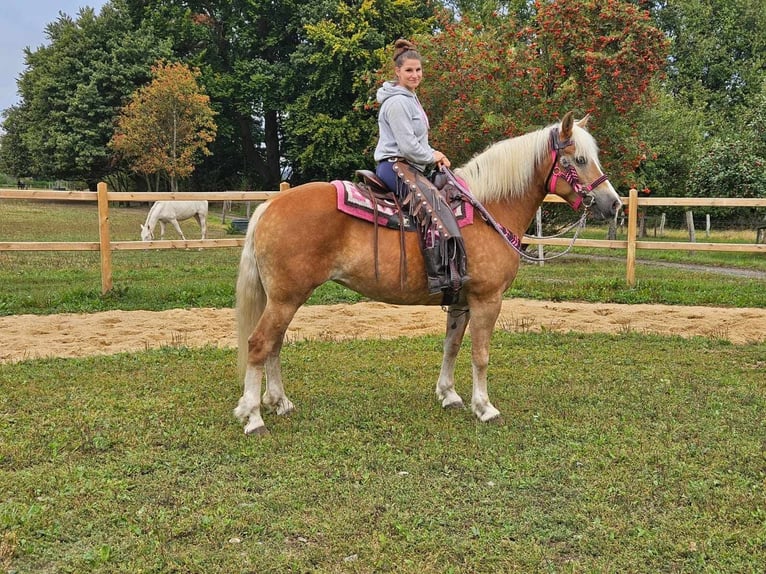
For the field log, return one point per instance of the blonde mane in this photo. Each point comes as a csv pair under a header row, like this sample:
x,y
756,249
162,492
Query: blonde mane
x,y
506,168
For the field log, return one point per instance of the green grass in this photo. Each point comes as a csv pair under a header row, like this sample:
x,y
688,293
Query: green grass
x,y
619,453
624,453
56,282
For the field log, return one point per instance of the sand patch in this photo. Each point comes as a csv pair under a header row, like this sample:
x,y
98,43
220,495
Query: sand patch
x,y
79,335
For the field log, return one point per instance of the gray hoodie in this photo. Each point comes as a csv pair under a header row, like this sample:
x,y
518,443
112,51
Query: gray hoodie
x,y
403,127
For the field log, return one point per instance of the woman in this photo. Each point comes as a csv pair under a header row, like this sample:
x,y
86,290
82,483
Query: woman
x,y
403,153
402,122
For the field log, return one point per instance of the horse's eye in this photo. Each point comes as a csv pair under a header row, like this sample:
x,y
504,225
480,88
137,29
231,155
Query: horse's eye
x,y
581,160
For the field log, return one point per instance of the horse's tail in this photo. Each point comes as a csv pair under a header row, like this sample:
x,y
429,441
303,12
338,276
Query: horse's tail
x,y
251,296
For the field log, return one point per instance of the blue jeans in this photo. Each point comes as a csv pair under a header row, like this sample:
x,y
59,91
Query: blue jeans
x,y
385,171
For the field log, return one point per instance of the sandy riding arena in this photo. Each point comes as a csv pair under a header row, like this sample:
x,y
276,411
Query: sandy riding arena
x,y
75,335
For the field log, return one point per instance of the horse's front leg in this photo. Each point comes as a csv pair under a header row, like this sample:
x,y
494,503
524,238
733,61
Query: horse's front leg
x,y
457,320
178,228
483,321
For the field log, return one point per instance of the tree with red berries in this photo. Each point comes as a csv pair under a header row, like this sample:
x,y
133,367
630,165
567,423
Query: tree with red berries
x,y
488,81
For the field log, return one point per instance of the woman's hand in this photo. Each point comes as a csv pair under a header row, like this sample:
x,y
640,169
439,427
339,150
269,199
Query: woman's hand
x,y
440,159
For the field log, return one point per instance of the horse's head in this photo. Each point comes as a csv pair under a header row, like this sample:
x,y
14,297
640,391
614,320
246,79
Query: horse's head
x,y
146,233
576,174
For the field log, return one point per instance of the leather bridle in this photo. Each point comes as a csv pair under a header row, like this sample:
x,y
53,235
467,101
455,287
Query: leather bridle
x,y
570,175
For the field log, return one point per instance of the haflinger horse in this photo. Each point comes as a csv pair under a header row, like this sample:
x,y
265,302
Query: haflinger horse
x,y
172,212
299,240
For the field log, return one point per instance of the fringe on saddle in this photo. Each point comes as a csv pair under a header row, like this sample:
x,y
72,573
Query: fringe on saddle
x,y
440,239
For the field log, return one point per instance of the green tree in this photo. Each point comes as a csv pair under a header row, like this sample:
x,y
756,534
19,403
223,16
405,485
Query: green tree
x,y
166,126
72,90
718,53
673,139
242,48
715,76
330,124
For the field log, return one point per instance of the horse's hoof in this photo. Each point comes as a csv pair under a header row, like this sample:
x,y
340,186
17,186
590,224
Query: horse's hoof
x,y
492,417
456,405
487,414
258,431
285,408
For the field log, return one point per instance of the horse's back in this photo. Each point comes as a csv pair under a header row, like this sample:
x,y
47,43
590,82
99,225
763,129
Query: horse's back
x,y
167,210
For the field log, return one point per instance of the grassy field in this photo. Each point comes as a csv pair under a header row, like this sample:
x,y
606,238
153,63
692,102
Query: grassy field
x,y
620,453
55,282
623,453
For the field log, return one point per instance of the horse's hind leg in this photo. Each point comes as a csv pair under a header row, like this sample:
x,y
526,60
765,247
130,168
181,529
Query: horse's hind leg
x,y
248,409
202,220
264,346
457,320
275,398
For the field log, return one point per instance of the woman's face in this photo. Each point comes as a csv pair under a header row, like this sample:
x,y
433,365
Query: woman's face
x,y
410,73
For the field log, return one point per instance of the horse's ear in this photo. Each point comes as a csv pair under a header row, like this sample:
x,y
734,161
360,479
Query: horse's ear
x,y
566,126
583,123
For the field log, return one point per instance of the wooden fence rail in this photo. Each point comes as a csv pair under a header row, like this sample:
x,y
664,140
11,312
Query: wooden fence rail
x,y
105,246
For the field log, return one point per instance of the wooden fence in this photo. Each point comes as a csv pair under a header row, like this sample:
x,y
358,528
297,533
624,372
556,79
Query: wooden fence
x,y
105,245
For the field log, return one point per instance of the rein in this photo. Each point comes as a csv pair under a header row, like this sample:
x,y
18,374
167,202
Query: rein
x,y
585,199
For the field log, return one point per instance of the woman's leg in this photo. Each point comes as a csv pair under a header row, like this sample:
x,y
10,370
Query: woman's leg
x,y
386,173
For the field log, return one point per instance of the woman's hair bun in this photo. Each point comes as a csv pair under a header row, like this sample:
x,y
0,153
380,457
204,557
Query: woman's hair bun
x,y
401,47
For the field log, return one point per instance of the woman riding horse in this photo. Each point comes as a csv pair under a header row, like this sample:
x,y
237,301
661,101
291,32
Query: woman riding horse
x,y
403,153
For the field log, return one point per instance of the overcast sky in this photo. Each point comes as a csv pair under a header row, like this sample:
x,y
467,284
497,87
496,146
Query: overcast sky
x,y
22,24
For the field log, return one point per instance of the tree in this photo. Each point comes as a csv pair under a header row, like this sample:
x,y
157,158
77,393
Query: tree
x,y
489,81
706,125
717,60
243,49
330,125
166,125
71,91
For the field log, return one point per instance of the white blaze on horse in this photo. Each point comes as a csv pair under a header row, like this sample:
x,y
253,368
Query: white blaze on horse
x,y
164,212
299,240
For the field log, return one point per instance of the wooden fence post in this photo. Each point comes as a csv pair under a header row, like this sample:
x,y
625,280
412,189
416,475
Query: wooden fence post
x,y
690,227
103,235
632,225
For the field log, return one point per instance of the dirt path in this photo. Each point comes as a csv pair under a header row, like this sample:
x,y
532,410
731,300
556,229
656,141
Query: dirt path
x,y
75,335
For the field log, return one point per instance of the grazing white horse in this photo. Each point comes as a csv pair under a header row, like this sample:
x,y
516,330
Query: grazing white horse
x,y
173,212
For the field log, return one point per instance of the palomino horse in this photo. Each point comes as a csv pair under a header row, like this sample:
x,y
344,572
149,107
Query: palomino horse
x,y
173,212
299,240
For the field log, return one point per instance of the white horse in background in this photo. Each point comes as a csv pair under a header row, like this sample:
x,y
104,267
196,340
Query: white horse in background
x,y
173,212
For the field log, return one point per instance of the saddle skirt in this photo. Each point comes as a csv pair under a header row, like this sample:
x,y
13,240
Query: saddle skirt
x,y
361,204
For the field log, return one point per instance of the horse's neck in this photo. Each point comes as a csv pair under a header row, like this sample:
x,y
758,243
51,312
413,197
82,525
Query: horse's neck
x,y
153,217
517,213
